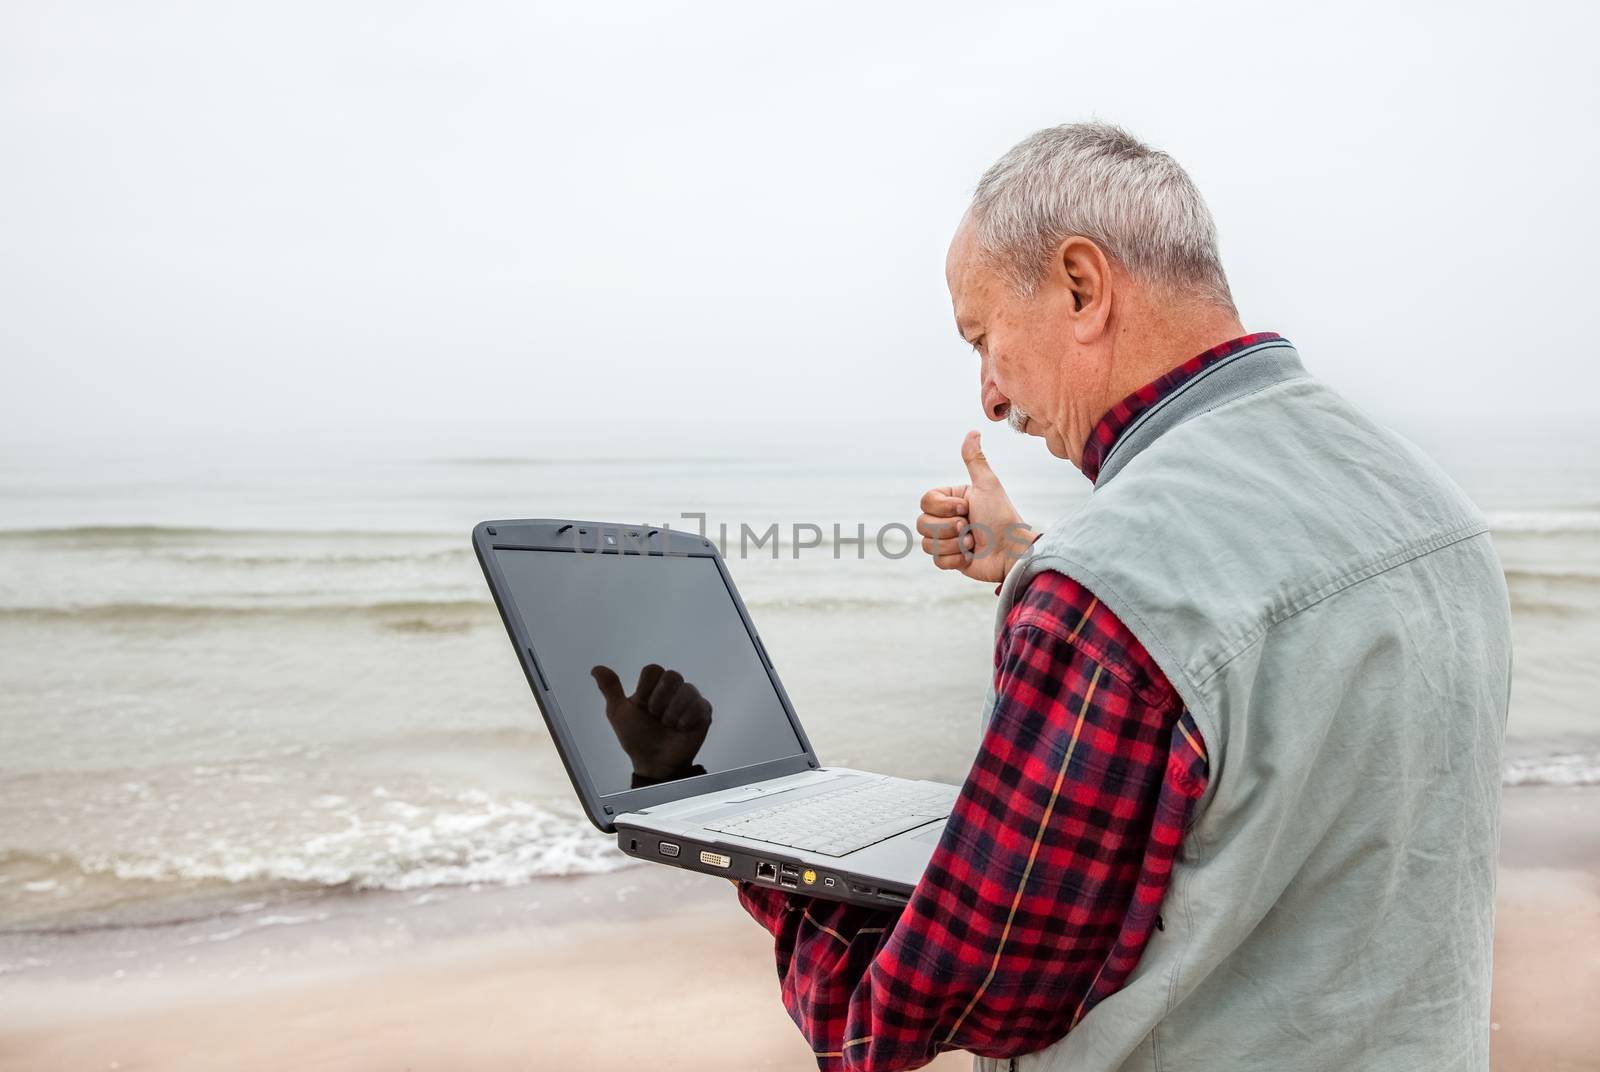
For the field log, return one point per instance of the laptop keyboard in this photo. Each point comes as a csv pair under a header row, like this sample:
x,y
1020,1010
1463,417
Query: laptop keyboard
x,y
845,819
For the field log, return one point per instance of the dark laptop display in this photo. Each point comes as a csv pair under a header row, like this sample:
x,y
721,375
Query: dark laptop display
x,y
627,611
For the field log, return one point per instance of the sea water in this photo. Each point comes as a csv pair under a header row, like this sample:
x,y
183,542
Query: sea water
x,y
221,680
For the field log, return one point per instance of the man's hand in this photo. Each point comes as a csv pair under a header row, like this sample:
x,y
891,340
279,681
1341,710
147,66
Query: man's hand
x,y
662,725
973,528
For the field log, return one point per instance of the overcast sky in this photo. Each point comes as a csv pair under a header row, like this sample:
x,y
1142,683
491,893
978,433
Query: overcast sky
x,y
502,226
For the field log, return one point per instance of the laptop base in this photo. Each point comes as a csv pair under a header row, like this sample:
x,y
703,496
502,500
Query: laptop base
x,y
774,869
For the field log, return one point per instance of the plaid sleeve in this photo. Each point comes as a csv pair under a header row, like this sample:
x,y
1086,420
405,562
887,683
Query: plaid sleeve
x,y
1047,881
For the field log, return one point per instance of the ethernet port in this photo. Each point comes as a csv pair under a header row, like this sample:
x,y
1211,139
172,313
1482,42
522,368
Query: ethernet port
x,y
767,872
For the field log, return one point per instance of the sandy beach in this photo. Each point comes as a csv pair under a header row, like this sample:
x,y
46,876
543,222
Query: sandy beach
x,y
641,968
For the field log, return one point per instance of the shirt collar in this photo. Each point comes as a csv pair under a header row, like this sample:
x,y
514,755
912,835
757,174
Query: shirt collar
x,y
1116,420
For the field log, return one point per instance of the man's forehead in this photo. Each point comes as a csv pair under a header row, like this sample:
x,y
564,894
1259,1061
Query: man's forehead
x,y
960,264
959,255
965,274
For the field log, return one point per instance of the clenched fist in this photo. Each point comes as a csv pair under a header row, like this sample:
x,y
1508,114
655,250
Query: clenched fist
x,y
972,527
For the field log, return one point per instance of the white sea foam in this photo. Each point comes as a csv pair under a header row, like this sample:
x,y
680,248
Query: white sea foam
x,y
463,839
1568,768
1545,521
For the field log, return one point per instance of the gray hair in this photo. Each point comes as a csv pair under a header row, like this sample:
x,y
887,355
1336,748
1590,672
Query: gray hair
x,y
1097,181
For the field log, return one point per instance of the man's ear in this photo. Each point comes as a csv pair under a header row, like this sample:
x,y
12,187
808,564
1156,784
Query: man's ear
x,y
1085,271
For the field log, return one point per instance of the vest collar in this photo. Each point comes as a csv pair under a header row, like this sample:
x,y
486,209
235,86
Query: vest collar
x,y
1244,373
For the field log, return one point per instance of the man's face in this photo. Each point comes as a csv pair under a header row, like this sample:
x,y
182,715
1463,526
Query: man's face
x,y
1025,345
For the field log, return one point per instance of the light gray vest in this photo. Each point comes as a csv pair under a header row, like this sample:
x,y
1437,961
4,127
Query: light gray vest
x,y
1328,605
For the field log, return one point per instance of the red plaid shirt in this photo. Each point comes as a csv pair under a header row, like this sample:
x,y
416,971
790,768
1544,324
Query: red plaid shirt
x,y
1047,880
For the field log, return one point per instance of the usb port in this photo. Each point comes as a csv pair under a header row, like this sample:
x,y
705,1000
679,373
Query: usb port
x,y
767,872
789,875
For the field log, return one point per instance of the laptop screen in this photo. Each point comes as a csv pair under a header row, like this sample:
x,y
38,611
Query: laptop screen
x,y
627,613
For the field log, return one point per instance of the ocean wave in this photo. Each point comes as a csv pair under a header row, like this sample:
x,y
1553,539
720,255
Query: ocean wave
x,y
430,740
931,599
1562,592
297,559
1559,576
436,612
1564,769
428,840
101,536
513,461
1538,522
468,838
425,614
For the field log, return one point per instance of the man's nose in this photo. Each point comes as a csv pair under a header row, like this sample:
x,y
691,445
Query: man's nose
x,y
995,405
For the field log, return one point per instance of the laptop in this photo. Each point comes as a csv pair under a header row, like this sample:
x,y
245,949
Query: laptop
x,y
673,725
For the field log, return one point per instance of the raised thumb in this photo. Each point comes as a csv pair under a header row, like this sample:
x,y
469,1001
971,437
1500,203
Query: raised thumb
x,y
977,465
610,687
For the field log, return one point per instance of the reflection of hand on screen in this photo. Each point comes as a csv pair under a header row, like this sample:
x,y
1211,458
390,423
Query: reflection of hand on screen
x,y
662,725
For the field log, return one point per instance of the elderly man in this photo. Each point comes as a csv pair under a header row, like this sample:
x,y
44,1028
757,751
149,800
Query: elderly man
x,y
1237,798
